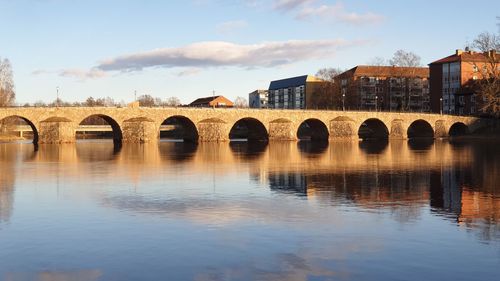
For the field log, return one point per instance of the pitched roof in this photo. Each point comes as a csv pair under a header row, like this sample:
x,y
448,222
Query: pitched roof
x,y
204,100
292,82
389,71
468,56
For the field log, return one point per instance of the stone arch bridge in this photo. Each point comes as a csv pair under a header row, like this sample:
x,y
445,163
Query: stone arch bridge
x,y
142,124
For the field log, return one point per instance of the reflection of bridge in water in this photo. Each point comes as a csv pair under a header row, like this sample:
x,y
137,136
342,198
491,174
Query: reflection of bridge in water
x,y
403,177
59,125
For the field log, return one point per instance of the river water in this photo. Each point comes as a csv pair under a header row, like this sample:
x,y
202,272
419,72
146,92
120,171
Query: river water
x,y
236,211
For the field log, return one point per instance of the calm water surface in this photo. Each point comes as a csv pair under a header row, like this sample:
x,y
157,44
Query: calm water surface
x,y
283,211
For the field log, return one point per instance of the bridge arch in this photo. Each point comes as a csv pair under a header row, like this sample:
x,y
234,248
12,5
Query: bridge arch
x,y
101,119
373,128
313,129
420,129
13,118
250,129
183,129
458,129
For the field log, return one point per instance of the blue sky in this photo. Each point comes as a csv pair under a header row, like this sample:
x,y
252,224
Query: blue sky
x,y
189,48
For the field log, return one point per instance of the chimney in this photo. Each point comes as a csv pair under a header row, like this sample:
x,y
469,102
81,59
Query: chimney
x,y
458,52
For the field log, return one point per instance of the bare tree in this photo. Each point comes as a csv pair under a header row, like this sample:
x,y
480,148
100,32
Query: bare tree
x,y
7,93
378,61
327,94
173,101
240,102
328,73
109,102
90,101
405,59
402,58
146,100
488,87
39,103
59,102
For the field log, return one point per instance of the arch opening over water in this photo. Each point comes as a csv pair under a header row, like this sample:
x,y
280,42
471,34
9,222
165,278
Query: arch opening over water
x,y
313,130
373,129
420,129
458,129
99,126
179,128
248,129
16,127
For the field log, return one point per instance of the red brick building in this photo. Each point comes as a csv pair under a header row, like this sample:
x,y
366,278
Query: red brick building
x,y
215,101
452,82
385,88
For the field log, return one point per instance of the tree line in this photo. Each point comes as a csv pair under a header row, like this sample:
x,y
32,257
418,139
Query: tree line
x,y
144,100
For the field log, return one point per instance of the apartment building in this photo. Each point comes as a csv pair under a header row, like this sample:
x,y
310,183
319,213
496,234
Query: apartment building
x,y
385,88
258,99
293,93
452,81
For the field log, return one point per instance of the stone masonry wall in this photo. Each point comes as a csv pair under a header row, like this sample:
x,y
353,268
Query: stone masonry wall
x,y
214,124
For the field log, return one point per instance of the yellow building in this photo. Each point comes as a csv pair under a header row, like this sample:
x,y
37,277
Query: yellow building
x,y
293,93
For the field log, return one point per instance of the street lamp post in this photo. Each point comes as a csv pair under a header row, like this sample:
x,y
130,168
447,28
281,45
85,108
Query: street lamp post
x,y
57,96
441,106
343,102
376,103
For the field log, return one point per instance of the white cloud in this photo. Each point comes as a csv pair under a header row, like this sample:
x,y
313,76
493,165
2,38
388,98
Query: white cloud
x,y
286,5
231,26
78,73
337,12
82,73
312,10
188,72
41,72
218,53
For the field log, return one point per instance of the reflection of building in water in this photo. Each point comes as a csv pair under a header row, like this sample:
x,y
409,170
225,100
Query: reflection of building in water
x,y
288,182
404,193
454,193
445,194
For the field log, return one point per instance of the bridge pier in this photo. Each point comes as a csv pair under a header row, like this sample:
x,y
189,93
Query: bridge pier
x,y
440,130
139,130
343,129
56,130
398,131
213,130
281,130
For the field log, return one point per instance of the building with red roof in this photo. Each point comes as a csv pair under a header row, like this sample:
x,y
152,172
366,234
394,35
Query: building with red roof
x,y
385,88
452,81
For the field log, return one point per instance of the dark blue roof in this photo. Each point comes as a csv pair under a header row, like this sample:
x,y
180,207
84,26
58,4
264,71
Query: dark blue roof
x,y
288,83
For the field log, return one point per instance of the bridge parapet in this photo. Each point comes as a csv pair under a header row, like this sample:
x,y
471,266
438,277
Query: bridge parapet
x,y
59,125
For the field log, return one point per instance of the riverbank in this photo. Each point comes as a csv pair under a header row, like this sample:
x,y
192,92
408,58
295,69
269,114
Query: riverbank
x,y
9,138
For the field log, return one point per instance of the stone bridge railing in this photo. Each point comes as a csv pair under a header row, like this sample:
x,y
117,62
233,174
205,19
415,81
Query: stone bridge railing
x,y
59,125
